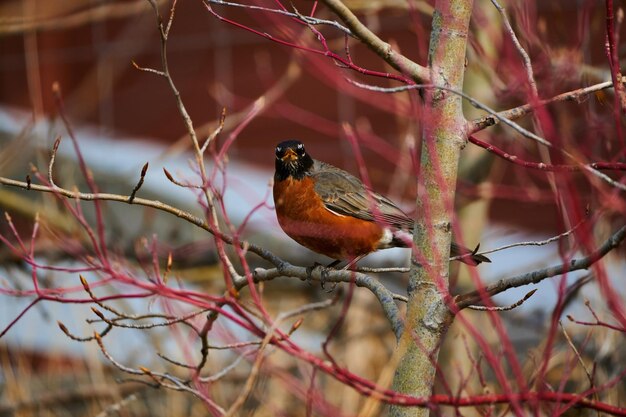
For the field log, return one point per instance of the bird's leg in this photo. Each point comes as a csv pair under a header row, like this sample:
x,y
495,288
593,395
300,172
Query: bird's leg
x,y
324,271
324,274
309,272
353,262
333,263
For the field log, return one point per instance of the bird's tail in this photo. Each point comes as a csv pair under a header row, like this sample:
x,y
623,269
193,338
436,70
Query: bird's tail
x,y
470,257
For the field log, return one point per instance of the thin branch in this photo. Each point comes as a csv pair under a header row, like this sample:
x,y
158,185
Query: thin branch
x,y
207,190
535,242
521,111
142,176
598,322
368,270
123,199
53,155
170,20
168,320
504,308
224,371
508,122
160,379
418,73
96,300
541,166
174,181
98,239
539,275
529,397
612,55
254,372
149,70
580,360
325,52
72,336
385,297
470,99
251,380
309,20
164,32
527,64
216,131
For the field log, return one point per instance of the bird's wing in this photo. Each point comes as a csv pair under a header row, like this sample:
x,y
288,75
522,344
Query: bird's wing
x,y
345,194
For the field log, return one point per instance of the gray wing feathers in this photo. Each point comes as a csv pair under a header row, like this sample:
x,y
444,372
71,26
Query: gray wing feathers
x,y
345,194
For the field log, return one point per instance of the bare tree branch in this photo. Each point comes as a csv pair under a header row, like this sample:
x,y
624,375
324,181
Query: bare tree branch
x,y
535,242
521,111
527,64
418,73
309,20
539,275
523,131
504,308
542,166
385,297
283,268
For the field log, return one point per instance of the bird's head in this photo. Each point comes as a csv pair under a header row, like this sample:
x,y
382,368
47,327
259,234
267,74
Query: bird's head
x,y
292,160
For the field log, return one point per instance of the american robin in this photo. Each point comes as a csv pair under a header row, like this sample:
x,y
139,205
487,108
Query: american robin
x,y
332,212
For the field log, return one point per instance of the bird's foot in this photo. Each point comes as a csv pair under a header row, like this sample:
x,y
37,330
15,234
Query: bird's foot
x,y
324,271
309,272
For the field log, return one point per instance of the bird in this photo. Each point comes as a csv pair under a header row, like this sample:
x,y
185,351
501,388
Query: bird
x,y
331,212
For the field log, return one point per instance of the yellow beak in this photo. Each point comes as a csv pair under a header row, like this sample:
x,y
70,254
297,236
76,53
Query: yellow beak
x,y
290,156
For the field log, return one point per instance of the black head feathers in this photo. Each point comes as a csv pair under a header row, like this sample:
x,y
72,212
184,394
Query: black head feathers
x,y
292,160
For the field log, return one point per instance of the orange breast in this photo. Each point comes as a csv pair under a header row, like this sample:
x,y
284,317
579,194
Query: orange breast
x,y
302,215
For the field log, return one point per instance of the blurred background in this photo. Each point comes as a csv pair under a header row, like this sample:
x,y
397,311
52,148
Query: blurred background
x,y
124,117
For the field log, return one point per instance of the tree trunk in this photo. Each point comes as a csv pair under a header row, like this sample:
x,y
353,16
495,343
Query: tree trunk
x,y
444,135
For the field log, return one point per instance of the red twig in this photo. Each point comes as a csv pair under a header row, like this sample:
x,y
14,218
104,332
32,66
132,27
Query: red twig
x,y
612,54
85,171
616,74
598,322
326,52
606,166
337,326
